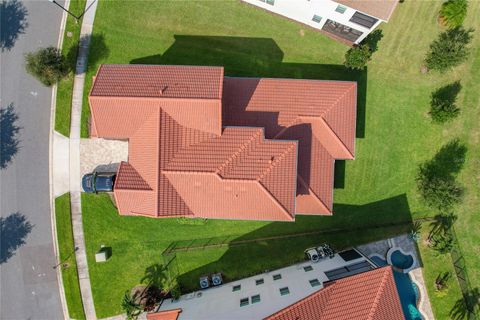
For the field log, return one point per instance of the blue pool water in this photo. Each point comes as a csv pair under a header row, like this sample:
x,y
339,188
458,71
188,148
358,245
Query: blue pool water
x,y
400,260
409,294
407,290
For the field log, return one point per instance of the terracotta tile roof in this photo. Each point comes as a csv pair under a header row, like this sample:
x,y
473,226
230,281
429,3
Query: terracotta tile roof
x,y
321,115
158,81
370,295
382,9
180,155
164,315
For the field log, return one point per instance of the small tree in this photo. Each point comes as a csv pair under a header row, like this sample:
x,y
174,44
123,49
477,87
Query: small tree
x,y
443,243
449,50
357,57
441,282
440,193
453,12
442,105
47,65
131,307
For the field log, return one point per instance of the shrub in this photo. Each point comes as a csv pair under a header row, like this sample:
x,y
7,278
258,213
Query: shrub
x,y
453,12
443,107
443,243
47,65
449,50
130,306
437,192
357,57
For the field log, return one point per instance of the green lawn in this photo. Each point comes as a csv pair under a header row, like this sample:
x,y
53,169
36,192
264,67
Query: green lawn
x,y
65,86
66,248
395,133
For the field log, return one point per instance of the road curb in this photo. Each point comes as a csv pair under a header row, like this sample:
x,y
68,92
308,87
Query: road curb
x,y
53,106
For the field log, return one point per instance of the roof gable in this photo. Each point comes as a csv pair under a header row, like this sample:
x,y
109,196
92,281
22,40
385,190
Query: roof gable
x,y
366,296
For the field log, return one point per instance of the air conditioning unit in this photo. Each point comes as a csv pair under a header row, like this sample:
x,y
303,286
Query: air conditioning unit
x,y
204,283
312,255
217,279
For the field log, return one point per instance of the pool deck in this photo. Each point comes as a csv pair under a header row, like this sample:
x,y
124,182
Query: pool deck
x,y
384,248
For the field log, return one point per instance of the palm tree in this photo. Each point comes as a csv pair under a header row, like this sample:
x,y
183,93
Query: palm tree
x,y
442,224
131,307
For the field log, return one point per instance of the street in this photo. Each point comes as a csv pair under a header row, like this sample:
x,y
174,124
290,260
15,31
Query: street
x,y
29,287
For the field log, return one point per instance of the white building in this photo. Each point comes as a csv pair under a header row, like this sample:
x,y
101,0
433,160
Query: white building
x,y
347,20
260,296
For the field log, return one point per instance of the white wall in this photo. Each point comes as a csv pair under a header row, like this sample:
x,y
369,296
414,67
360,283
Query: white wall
x,y
303,11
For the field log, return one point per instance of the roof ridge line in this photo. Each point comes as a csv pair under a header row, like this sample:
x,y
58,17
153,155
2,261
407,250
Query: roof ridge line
x,y
294,121
239,151
338,138
275,200
275,162
313,192
158,164
340,98
380,291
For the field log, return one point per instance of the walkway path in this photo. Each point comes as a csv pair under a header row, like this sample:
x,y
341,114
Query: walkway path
x,y
76,207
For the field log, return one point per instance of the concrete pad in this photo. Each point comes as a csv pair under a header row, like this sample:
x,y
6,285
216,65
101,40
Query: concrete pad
x,y
61,164
102,155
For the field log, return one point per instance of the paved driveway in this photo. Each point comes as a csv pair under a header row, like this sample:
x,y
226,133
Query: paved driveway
x,y
29,287
102,155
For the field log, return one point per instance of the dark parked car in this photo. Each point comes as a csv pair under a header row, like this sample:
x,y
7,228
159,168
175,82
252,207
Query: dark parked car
x,y
98,182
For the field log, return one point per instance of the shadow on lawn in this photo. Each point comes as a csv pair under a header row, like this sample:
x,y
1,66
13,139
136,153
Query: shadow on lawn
x,y
262,57
352,225
255,57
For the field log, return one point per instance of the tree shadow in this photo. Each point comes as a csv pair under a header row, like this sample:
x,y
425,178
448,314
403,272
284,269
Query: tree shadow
x,y
96,46
442,104
267,248
13,22
441,224
448,161
8,135
255,57
466,306
448,93
14,230
154,275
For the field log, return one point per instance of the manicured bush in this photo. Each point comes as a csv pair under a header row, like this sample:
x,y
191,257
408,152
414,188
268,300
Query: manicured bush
x,y
442,105
357,57
453,12
449,50
48,65
439,192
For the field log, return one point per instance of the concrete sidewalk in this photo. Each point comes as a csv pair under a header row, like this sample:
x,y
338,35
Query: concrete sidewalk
x,y
61,163
75,199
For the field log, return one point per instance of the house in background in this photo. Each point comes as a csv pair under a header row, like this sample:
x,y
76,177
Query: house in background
x,y
330,289
347,20
208,146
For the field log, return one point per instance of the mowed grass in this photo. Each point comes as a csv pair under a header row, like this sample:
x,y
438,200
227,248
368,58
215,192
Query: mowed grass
x,y
67,256
65,86
395,134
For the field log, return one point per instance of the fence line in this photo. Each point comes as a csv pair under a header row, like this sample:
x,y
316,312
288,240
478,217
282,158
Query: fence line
x,y
461,273
232,240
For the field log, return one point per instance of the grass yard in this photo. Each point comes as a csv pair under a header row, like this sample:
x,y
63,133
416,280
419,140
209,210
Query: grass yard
x,y
395,134
66,248
65,86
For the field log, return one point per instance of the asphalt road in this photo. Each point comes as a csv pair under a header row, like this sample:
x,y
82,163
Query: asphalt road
x,y
29,287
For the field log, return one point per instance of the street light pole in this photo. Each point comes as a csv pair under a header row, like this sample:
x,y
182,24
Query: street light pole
x,y
64,9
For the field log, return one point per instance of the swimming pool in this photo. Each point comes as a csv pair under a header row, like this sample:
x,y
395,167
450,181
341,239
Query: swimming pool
x,y
407,290
409,295
401,260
